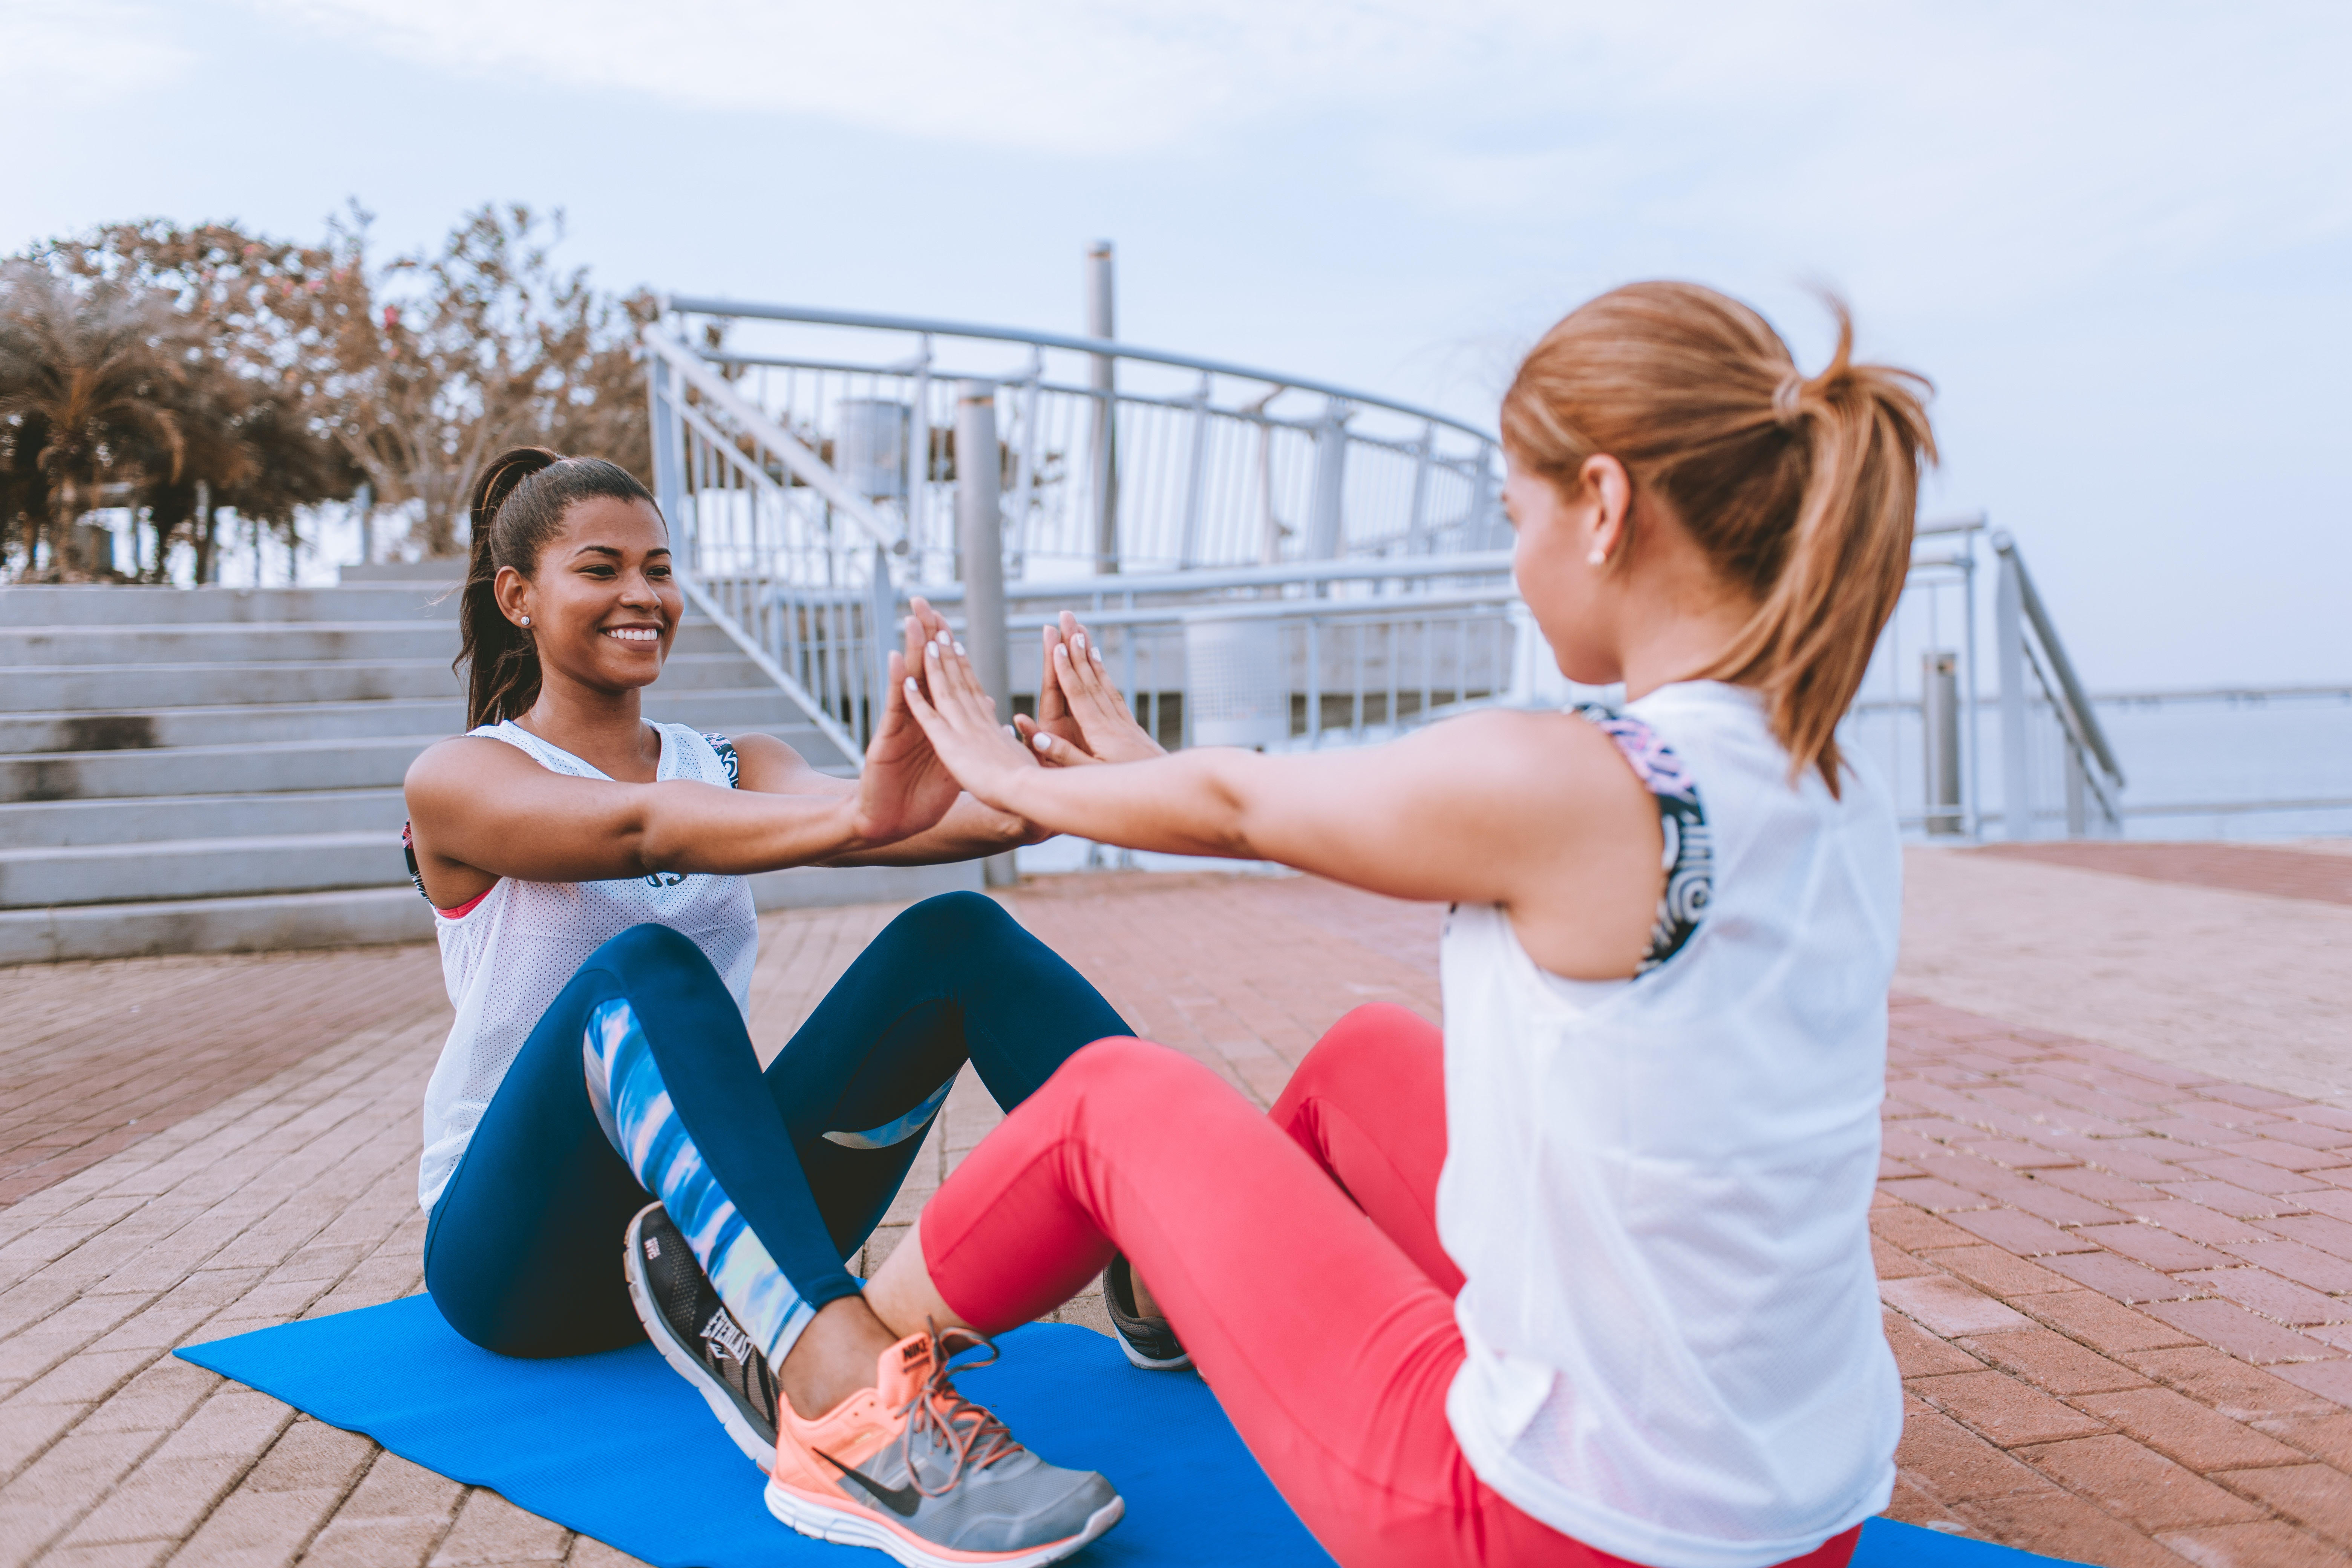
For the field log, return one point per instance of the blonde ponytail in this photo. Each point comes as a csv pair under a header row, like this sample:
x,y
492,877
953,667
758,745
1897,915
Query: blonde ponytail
x,y
1801,490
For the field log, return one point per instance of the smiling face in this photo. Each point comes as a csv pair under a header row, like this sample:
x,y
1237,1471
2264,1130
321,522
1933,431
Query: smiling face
x,y
603,603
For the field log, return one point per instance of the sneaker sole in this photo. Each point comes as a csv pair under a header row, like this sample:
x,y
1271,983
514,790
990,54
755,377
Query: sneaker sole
x,y
843,1525
1136,1358
738,1430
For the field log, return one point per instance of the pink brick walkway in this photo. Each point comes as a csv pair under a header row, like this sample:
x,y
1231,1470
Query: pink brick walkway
x,y
2121,1292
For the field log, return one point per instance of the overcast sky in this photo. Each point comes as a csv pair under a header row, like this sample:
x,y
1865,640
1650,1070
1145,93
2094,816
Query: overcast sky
x,y
2118,237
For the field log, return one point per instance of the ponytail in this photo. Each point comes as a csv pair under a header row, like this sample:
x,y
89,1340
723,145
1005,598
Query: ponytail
x,y
1800,491
517,507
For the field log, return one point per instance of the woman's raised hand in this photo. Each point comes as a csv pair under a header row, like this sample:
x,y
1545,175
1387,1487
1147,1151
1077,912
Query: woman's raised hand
x,y
905,786
960,720
1081,717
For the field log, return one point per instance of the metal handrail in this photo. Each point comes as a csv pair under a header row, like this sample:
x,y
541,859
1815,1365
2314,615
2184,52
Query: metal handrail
x,y
2079,705
806,466
703,305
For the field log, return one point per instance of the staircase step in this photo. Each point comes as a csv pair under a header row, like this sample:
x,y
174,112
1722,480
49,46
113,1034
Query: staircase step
x,y
373,762
111,688
350,918
117,606
226,726
306,641
147,819
201,868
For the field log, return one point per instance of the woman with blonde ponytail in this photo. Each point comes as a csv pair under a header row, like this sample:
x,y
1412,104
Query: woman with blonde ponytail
x,y
1585,1278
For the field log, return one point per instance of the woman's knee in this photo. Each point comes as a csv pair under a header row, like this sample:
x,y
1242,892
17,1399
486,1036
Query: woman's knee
x,y
956,921
1123,1071
649,948
1379,1045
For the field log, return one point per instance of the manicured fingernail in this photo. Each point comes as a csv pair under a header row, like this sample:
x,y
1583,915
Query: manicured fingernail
x,y
932,650
910,686
958,647
1080,639
1098,653
1061,654
1044,743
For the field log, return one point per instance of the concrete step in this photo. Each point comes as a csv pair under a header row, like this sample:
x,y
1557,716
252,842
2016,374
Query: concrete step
x,y
357,916
373,762
724,710
111,606
360,761
226,726
31,649
48,689
201,868
310,642
351,918
147,819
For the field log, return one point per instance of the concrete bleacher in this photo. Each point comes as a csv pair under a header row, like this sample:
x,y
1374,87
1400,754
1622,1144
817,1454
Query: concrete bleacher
x,y
218,770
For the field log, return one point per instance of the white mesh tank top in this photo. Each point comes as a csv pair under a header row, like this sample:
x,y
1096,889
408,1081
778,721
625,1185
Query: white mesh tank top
x,y
505,958
1659,1188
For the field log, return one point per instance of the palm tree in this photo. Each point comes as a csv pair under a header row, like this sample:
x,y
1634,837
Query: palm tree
x,y
92,381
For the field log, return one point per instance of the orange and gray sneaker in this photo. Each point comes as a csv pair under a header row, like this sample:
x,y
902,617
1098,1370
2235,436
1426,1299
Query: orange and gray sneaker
x,y
914,1469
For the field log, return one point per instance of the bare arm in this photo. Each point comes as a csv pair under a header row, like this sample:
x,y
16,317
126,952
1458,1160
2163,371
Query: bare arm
x,y
969,830
1536,812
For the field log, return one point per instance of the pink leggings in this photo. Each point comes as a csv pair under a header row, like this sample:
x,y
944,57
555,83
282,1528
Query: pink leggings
x,y
1295,1254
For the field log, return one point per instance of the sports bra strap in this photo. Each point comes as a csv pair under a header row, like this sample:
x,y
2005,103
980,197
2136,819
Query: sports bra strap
x,y
1689,856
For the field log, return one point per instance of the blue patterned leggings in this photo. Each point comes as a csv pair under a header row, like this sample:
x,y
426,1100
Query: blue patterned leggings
x,y
782,1173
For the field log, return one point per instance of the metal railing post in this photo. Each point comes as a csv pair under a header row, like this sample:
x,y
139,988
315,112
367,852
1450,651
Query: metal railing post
x,y
658,385
980,539
1101,379
2077,817
2009,648
1325,522
882,620
1939,714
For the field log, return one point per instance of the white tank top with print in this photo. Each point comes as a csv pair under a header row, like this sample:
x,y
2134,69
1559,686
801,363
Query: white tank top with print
x,y
507,955
1659,1188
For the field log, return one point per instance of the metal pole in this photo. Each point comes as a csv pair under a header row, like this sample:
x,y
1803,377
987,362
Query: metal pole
x,y
2009,652
1939,714
1323,541
882,618
980,538
1101,379
2077,817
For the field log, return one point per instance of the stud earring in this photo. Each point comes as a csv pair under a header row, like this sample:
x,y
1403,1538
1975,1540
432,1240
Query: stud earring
x,y
1599,557
525,620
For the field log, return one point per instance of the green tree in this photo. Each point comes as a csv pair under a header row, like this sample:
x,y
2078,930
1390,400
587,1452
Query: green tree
x,y
94,377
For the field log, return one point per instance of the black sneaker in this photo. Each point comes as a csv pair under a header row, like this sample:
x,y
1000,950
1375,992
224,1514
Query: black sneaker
x,y
698,1336
1148,1342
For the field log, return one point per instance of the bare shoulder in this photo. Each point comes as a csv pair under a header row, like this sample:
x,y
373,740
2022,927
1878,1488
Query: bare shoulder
x,y
462,761
771,766
1543,761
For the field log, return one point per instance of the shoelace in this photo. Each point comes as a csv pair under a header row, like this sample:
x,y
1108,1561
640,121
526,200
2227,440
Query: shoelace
x,y
970,1432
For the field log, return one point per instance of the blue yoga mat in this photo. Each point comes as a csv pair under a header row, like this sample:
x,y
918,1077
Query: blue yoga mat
x,y
612,1445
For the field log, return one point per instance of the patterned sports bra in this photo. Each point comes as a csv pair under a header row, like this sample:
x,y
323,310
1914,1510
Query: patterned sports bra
x,y
1689,858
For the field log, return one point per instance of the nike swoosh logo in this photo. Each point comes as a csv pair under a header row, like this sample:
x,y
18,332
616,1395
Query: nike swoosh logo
x,y
900,1501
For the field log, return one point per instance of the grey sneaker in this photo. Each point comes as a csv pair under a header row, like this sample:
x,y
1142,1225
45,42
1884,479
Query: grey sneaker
x,y
914,1469
1148,1342
698,1336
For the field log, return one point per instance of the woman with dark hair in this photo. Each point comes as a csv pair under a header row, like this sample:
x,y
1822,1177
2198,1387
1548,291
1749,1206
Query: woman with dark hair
x,y
587,870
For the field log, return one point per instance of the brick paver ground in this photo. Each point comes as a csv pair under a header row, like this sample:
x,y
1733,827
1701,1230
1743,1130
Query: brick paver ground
x,y
2279,871
2120,1291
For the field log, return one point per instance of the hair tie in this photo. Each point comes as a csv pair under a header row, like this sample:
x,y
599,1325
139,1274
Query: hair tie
x,y
1786,413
